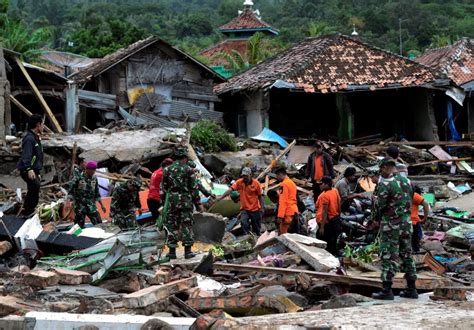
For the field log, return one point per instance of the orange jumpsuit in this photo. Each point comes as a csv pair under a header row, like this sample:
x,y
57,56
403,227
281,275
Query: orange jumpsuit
x,y
287,206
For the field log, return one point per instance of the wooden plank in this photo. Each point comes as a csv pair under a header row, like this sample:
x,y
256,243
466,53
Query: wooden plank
x,y
40,98
432,143
270,167
342,279
440,161
26,111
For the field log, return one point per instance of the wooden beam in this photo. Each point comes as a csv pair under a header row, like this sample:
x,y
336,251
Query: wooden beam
x,y
283,153
40,98
342,279
440,161
433,143
26,111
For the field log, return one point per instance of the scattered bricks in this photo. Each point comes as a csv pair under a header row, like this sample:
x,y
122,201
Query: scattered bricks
x,y
123,284
11,305
41,279
246,305
162,276
5,246
72,277
451,293
156,293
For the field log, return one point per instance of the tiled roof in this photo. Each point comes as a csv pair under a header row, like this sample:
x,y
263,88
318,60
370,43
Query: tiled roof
x,y
334,63
246,20
109,61
457,60
226,46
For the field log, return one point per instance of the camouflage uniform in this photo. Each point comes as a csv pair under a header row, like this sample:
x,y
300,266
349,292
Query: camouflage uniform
x,y
124,204
394,199
84,191
179,182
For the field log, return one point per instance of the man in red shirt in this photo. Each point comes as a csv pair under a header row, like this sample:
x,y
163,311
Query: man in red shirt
x,y
154,198
251,201
328,209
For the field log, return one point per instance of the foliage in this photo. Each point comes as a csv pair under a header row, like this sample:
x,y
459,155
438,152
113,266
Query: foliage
x,y
363,253
212,137
98,27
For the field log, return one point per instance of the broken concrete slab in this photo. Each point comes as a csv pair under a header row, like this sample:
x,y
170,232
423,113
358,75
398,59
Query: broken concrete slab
x,y
208,227
41,278
278,290
339,302
307,248
246,305
12,305
451,293
152,294
161,276
123,284
85,290
72,277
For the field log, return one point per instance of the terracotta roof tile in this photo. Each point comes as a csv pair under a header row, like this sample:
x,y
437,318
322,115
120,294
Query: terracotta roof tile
x,y
226,46
457,60
246,20
331,63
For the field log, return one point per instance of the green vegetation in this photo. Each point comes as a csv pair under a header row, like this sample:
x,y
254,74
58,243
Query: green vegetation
x,y
97,27
211,137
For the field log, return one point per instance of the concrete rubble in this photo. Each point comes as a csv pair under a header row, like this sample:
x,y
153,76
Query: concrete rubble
x,y
50,274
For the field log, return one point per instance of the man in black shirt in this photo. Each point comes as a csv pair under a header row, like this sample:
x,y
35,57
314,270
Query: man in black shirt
x,y
31,162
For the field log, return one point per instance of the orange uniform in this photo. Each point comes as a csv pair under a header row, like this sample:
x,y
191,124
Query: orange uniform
x,y
318,168
332,199
417,201
249,194
287,206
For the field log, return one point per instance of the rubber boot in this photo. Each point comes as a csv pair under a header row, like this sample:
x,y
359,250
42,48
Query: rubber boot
x,y
188,254
386,293
171,254
410,291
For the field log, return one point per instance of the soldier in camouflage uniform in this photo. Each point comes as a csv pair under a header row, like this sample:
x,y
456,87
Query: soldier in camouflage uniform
x,y
394,200
84,191
125,201
179,182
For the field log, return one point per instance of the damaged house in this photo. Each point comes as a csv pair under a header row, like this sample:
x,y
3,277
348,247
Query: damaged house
x,y
336,86
457,62
156,82
26,89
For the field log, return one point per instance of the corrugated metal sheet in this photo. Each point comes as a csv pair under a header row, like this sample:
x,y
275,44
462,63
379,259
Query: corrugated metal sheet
x,y
97,100
144,119
181,110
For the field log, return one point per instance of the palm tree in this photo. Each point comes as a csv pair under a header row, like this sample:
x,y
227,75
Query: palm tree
x,y
316,29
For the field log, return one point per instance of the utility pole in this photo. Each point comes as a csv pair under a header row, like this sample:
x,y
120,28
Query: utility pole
x,y
400,35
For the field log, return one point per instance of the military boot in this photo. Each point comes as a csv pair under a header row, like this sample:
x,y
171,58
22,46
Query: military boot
x,y
410,291
386,293
171,254
188,254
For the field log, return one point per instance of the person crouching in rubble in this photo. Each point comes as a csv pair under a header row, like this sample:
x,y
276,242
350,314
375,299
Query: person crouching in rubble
x,y
328,210
125,200
287,201
154,201
179,182
346,192
83,189
252,204
394,202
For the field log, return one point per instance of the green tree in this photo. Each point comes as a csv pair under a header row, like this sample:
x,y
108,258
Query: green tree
x,y
316,29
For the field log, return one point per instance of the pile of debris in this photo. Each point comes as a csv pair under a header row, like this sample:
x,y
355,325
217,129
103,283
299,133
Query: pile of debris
x,y
50,266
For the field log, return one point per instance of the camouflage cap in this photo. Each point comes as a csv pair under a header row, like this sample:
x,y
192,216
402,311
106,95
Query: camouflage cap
x,y
387,161
181,152
135,182
246,171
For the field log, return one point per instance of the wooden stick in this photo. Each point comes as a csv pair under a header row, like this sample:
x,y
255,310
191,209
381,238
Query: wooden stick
x,y
283,153
265,188
440,161
26,111
343,279
39,96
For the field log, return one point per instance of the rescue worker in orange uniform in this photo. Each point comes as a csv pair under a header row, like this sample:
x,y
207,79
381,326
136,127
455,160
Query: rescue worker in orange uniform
x,y
319,164
328,209
287,201
415,218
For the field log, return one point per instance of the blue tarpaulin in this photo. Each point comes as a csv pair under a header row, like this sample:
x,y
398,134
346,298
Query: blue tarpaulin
x,y
268,135
454,135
